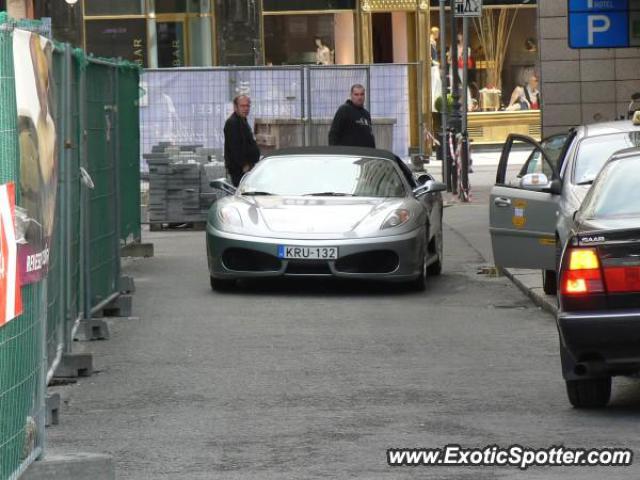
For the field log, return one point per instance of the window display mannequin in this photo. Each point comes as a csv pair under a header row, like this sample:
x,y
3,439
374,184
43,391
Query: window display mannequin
x,y
470,61
433,39
526,97
324,55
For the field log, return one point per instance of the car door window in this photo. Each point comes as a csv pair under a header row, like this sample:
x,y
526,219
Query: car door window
x,y
553,147
521,156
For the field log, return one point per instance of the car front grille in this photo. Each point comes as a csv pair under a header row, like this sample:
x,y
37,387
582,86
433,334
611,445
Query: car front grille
x,y
308,267
378,261
245,260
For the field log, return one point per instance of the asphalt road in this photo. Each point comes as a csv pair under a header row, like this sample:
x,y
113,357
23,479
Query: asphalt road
x,y
317,379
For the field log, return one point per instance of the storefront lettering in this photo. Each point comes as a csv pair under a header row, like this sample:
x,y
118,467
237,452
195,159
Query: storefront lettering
x,y
138,51
177,55
37,261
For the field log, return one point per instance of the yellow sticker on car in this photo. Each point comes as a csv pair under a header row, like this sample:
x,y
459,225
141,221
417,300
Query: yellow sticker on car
x,y
519,218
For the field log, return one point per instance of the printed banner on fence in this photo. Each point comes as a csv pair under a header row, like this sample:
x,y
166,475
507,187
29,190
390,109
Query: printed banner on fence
x,y
38,152
10,294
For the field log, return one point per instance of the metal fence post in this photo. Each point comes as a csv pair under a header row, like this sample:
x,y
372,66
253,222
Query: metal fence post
x,y
309,110
65,215
85,213
303,109
115,149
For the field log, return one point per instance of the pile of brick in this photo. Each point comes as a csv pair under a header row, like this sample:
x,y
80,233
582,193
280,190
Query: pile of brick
x,y
179,177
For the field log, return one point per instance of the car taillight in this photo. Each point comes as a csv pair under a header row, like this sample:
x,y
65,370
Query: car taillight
x,y
583,274
622,279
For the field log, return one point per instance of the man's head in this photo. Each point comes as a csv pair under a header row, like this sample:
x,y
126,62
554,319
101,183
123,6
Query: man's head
x,y
435,33
242,105
357,95
533,82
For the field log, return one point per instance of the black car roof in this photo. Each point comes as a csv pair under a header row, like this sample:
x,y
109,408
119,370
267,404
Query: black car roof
x,y
334,150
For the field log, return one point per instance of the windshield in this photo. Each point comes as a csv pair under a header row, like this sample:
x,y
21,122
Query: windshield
x,y
294,175
595,151
615,192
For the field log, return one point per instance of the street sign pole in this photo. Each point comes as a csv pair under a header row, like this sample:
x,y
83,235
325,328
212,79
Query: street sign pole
x,y
464,157
444,93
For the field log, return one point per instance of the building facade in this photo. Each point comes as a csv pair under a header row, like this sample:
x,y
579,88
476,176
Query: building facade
x,y
581,86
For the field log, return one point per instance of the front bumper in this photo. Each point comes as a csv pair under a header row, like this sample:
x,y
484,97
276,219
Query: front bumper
x,y
409,248
609,337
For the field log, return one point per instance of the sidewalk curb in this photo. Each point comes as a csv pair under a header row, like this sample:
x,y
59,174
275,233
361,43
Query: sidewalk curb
x,y
72,466
536,294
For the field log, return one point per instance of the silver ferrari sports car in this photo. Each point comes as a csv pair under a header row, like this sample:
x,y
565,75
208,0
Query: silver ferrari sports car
x,y
327,211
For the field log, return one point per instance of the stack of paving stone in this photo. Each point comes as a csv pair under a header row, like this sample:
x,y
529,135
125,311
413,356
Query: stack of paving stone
x,y
179,177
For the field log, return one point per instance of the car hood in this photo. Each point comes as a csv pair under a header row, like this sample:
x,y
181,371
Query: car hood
x,y
316,215
319,217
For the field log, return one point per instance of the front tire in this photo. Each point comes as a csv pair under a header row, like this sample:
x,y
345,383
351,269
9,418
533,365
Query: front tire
x,y
589,392
420,283
221,284
436,267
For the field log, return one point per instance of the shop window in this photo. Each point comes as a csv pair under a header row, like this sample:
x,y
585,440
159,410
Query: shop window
x,y
125,38
113,7
183,6
171,51
308,39
238,32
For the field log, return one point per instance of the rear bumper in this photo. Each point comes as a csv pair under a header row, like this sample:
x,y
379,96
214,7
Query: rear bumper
x,y
612,338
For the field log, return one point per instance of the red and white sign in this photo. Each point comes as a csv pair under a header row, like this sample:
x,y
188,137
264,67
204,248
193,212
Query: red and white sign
x,y
10,294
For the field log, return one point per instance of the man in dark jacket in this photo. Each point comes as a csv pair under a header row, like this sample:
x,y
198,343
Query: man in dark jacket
x,y
241,151
351,125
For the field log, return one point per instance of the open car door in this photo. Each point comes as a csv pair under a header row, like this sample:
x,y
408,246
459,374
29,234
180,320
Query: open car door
x,y
523,209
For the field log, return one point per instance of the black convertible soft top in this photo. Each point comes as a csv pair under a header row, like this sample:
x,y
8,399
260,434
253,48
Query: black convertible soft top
x,y
350,151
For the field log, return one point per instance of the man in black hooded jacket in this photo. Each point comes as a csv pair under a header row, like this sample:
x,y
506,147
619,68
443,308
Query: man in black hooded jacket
x,y
241,152
351,124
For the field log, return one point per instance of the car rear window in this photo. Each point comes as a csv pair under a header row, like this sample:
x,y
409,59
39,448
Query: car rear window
x,y
615,193
593,152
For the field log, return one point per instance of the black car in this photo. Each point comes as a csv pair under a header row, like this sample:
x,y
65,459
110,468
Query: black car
x,y
599,285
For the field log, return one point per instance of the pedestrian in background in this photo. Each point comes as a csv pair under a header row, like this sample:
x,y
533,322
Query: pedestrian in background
x,y
241,151
351,124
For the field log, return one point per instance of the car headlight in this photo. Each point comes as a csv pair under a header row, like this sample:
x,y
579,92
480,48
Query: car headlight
x,y
230,216
396,218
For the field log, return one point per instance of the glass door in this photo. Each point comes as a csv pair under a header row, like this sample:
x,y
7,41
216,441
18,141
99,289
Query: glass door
x,y
171,37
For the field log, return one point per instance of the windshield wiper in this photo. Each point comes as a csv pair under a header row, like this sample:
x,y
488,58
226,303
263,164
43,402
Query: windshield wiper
x,y
585,182
329,194
257,193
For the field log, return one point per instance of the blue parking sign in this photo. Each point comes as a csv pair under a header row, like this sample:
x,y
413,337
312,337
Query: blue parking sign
x,y
599,29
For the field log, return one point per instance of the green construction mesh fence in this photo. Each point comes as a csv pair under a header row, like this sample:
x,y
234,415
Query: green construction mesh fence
x,y
100,115
129,153
22,357
96,117
55,305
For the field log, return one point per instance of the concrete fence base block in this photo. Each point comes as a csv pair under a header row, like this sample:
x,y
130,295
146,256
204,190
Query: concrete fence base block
x,y
52,405
139,250
74,365
92,329
127,284
120,307
72,466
